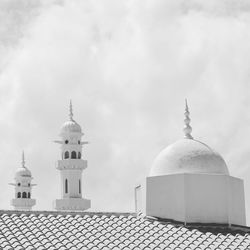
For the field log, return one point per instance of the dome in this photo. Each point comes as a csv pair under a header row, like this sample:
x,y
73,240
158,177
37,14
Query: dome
x,y
71,126
188,156
22,172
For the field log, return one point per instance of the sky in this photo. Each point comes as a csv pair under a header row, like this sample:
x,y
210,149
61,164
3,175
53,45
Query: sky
x,y
128,67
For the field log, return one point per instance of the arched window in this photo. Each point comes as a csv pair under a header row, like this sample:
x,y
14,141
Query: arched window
x,y
66,155
24,195
66,141
80,188
79,155
28,194
73,155
19,195
66,186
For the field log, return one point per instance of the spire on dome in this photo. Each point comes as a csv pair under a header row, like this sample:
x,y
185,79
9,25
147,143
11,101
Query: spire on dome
x,y
187,128
70,111
23,160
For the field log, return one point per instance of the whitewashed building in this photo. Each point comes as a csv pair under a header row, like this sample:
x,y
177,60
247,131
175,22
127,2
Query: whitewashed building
x,y
188,201
190,182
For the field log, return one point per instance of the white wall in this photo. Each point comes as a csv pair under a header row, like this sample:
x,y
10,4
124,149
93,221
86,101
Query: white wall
x,y
165,197
237,201
73,177
205,198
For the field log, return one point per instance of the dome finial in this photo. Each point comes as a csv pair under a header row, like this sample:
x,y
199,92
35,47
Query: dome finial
x,y
23,160
187,128
70,111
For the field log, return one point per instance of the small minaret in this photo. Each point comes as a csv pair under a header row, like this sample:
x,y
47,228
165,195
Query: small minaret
x,y
23,186
71,166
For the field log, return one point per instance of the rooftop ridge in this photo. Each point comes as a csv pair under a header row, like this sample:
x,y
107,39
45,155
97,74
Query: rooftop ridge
x,y
205,227
53,212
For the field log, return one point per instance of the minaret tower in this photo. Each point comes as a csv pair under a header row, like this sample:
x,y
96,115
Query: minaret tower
x,y
71,166
23,186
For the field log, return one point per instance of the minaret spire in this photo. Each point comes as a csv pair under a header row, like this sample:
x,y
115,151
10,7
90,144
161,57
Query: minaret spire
x,y
23,160
187,128
70,111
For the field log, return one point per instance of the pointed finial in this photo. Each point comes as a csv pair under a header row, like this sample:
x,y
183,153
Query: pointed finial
x,y
23,160
70,111
187,128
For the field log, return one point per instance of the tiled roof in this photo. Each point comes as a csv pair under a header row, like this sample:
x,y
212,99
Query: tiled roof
x,y
89,230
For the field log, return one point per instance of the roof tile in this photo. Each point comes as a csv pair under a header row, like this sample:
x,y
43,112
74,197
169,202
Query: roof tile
x,y
54,230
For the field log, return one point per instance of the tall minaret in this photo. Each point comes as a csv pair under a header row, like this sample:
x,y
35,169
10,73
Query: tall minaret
x,y
71,166
22,200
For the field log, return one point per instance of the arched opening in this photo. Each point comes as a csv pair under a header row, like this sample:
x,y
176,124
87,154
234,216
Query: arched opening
x,y
66,155
66,186
28,194
80,188
79,155
73,155
19,195
24,195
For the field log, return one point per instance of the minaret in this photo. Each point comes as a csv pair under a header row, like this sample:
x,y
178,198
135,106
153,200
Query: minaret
x,y
71,166
23,186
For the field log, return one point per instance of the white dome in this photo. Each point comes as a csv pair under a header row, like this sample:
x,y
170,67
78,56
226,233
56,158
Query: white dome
x,y
22,172
188,156
71,126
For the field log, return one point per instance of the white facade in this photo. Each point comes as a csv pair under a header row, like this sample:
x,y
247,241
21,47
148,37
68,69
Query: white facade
x,y
23,188
190,182
71,166
196,198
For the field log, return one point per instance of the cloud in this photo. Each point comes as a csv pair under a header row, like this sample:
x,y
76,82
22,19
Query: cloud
x,y
128,66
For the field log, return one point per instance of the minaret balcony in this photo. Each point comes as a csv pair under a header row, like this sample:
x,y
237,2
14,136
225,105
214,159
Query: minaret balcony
x,y
23,203
73,204
72,164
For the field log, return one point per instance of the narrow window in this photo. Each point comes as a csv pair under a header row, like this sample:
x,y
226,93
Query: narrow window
x,y
79,142
28,184
28,194
79,155
19,195
73,155
66,186
66,155
80,188
24,195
